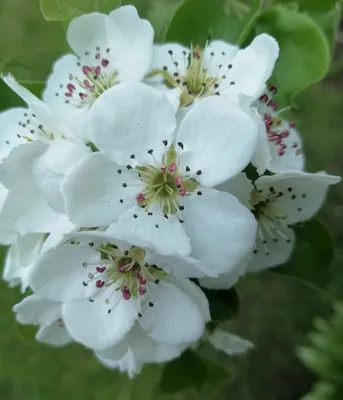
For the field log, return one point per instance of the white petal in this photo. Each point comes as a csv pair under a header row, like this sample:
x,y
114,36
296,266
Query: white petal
x,y
262,54
227,281
37,311
219,53
303,193
21,91
87,32
92,325
50,168
93,188
135,117
66,283
273,247
133,47
162,58
211,142
175,318
164,235
221,230
54,334
62,227
127,364
229,343
10,130
239,186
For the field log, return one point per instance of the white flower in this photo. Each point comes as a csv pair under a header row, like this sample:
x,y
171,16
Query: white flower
x,y
136,350
108,285
278,202
284,141
20,256
219,69
109,49
39,151
47,314
229,343
156,182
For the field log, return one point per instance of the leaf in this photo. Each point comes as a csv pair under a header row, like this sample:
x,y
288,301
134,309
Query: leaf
x,y
190,371
310,5
312,256
224,304
304,51
64,10
26,333
158,13
28,44
197,20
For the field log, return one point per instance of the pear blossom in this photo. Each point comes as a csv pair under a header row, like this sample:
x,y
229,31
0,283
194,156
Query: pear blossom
x,y
278,202
37,150
156,183
107,285
109,49
218,69
284,141
34,310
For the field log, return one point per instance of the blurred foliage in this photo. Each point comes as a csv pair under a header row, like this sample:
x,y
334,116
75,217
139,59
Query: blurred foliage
x,y
324,355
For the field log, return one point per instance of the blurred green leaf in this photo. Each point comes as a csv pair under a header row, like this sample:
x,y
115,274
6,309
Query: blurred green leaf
x,y
310,5
190,371
64,10
197,20
312,256
26,333
29,44
304,51
158,13
224,304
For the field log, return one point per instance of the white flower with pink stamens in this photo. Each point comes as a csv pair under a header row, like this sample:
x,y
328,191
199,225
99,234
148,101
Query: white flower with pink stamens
x,y
154,182
285,144
109,49
107,285
277,202
219,69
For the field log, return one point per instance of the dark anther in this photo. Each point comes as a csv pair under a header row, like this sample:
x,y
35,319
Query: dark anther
x,y
91,244
216,85
132,156
108,50
187,168
264,242
212,54
232,83
229,66
280,194
135,216
157,281
121,201
165,68
109,311
176,64
151,304
91,300
119,171
150,151
198,172
126,252
199,193
289,189
275,240
128,167
181,221
166,216
140,315
84,283
170,52
178,81
181,208
165,142
255,251
303,196
271,189
176,74
180,145
294,196
124,185
300,209
150,214
157,226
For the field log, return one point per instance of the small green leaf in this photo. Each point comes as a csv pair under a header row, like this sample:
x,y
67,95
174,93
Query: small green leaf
x,y
312,256
190,371
64,10
224,304
304,51
197,20
26,333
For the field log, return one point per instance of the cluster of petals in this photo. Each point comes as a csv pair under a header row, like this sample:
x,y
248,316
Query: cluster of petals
x,y
123,191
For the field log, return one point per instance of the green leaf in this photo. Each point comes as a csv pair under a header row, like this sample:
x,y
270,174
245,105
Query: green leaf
x,y
158,13
64,10
26,333
304,51
190,371
310,5
312,256
197,20
28,44
224,304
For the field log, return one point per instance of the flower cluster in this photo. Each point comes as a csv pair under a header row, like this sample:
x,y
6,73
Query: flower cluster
x,y
124,193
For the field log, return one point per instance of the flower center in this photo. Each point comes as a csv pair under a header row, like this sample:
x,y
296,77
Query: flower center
x,y
125,271
94,78
165,185
196,81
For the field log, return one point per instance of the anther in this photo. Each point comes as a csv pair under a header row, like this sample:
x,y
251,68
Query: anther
x,y
180,145
165,142
132,156
124,185
135,216
187,169
91,244
128,167
151,304
199,193
121,201
150,151
199,172
119,171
